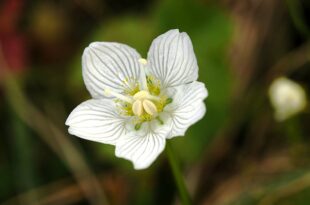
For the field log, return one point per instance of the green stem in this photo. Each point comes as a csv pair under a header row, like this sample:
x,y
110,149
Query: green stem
x,y
23,159
179,180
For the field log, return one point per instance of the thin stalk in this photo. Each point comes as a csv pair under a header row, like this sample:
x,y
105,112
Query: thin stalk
x,y
179,180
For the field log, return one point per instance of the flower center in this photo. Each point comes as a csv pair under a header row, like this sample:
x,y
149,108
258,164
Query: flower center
x,y
143,100
143,103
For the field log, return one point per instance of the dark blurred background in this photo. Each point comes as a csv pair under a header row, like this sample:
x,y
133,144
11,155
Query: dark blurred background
x,y
238,154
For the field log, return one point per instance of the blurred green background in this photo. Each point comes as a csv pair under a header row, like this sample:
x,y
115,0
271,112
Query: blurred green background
x,y
238,153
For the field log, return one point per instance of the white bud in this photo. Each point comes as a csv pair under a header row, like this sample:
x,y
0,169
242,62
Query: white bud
x,y
287,98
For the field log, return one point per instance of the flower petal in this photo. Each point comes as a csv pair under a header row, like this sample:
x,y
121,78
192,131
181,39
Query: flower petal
x,y
97,120
172,59
187,107
143,147
109,65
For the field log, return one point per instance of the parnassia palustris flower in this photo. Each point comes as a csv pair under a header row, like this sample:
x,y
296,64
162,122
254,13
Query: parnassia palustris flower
x,y
136,103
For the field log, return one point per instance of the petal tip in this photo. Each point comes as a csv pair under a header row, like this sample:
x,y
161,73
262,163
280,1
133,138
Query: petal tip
x,y
70,131
206,92
68,121
94,44
141,166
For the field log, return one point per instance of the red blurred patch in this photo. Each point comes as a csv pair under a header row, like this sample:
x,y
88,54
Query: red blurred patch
x,y
9,15
14,51
13,43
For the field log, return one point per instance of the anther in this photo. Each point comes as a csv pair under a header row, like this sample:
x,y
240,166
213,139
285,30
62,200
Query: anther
x,y
141,95
137,108
143,61
145,95
149,107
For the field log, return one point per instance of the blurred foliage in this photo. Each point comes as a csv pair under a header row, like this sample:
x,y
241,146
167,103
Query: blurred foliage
x,y
289,188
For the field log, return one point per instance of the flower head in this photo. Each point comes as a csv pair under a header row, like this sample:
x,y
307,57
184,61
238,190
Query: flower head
x,y
287,97
137,103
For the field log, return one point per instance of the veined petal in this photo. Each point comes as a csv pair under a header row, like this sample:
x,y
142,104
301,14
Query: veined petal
x,y
187,107
172,59
143,147
109,65
97,120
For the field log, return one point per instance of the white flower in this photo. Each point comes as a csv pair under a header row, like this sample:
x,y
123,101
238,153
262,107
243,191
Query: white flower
x,y
137,104
287,97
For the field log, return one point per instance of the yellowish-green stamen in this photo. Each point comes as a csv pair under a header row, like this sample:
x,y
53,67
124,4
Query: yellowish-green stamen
x,y
143,99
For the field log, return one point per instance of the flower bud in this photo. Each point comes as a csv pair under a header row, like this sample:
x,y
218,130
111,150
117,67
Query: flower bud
x,y
287,98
